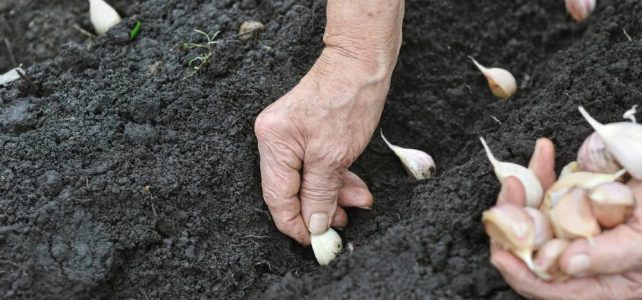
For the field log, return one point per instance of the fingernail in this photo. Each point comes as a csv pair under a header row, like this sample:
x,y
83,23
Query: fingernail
x,y
503,193
365,207
578,264
318,223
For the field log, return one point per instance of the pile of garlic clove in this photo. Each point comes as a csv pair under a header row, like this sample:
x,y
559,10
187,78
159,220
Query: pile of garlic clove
x,y
591,195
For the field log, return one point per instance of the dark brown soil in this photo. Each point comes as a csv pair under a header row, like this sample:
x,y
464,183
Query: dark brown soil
x,y
118,179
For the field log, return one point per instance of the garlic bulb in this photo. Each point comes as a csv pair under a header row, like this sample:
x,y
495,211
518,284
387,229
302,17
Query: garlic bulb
x,y
326,246
543,229
502,83
102,16
594,157
623,140
612,203
571,167
547,257
532,186
417,163
580,9
630,114
572,216
249,29
583,180
512,228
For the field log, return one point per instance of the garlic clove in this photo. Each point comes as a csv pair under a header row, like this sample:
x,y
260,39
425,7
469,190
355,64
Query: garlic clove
x,y
250,29
543,228
501,82
326,246
547,257
612,203
573,217
630,114
580,9
417,163
594,157
532,185
571,167
623,140
583,180
102,16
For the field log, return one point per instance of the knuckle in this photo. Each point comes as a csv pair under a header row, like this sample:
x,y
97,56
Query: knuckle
x,y
266,123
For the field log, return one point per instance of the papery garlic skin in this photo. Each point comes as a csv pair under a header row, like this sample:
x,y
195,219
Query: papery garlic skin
x,y
102,16
594,157
572,167
612,203
326,246
501,82
580,9
623,140
417,163
543,228
503,170
572,217
547,257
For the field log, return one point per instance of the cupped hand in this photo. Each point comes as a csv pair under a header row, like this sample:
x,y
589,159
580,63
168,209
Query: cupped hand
x,y
307,140
610,269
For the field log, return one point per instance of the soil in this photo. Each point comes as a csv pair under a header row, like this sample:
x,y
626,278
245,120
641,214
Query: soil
x,y
121,179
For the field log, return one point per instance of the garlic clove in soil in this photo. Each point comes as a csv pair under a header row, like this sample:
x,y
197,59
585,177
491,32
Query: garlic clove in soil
x,y
532,185
580,9
501,82
512,228
583,180
102,16
572,167
547,257
623,140
250,29
612,203
326,246
417,163
543,228
572,217
594,157
630,114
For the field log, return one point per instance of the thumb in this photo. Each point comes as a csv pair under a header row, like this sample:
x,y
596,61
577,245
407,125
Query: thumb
x,y
319,192
612,252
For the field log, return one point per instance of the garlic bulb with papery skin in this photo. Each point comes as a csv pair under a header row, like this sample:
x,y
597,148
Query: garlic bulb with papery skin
x,y
612,203
543,228
572,216
623,140
417,163
532,185
571,167
583,180
547,257
102,16
594,157
501,82
580,9
326,246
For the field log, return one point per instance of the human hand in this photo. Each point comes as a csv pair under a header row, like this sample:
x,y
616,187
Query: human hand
x,y
610,269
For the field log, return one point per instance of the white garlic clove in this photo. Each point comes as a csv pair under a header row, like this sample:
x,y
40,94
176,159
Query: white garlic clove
x,y
570,168
249,29
503,170
547,257
580,9
102,16
543,228
623,140
501,82
583,180
417,163
326,246
594,157
573,216
612,203
630,114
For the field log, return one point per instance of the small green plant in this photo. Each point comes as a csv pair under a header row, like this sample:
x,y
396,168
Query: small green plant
x,y
203,58
135,31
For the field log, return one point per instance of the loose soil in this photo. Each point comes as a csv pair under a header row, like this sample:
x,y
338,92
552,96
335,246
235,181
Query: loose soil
x,y
119,179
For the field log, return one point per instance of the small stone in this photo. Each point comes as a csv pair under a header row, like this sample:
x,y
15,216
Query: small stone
x,y
250,29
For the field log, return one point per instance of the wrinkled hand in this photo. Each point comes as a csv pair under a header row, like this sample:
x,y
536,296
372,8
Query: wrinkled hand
x,y
309,138
611,269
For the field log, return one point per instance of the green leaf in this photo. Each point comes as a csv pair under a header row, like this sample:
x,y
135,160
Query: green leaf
x,y
135,31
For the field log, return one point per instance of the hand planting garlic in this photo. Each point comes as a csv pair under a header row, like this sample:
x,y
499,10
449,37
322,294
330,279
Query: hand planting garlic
x,y
501,82
580,9
102,16
572,216
503,170
326,246
612,203
623,140
417,163
594,157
